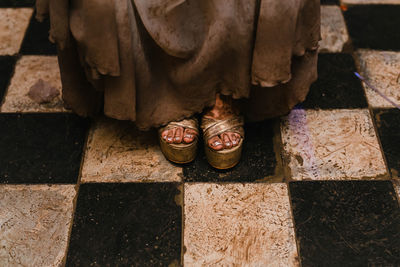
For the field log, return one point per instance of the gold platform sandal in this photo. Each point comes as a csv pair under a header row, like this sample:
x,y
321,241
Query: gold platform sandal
x,y
225,158
183,152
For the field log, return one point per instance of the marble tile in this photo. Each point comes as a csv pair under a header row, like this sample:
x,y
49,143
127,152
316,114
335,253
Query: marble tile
x,y
382,70
369,2
388,126
332,144
329,2
41,148
337,87
131,224
28,71
13,24
396,184
374,26
35,222
7,64
118,152
36,40
238,225
346,223
258,159
333,29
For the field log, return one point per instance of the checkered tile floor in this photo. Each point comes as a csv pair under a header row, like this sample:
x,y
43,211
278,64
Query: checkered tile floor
x,y
318,187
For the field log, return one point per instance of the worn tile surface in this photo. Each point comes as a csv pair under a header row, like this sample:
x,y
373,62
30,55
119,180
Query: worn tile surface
x,y
36,41
333,29
382,70
337,144
374,26
258,158
346,223
133,224
13,24
238,225
41,148
337,87
6,69
117,152
388,125
28,71
35,222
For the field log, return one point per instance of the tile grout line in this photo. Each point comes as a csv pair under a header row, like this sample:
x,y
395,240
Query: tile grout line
x,y
294,224
77,187
371,112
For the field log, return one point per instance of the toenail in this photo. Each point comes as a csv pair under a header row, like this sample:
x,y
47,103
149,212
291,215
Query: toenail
x,y
169,138
216,144
228,143
234,142
188,136
165,137
176,138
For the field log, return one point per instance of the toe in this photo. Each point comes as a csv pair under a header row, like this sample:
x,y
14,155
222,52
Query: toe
x,y
189,135
170,136
215,143
164,135
226,140
178,135
234,138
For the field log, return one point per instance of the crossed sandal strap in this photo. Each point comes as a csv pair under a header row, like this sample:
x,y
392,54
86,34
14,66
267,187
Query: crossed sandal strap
x,y
212,127
191,123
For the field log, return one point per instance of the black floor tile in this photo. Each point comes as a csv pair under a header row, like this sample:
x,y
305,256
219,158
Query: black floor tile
x,y
329,2
258,158
374,26
6,70
41,148
126,225
36,40
16,3
337,86
388,124
346,223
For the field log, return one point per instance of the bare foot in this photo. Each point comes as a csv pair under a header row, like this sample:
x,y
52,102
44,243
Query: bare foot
x,y
179,135
223,109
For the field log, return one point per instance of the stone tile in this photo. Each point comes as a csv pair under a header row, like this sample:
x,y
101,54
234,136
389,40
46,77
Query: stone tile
x,y
388,125
369,2
131,224
28,71
346,223
118,152
337,87
382,70
336,144
35,222
258,158
6,69
238,225
36,41
13,24
14,3
329,2
333,29
41,148
374,26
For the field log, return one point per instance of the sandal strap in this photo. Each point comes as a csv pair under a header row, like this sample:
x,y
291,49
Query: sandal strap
x,y
191,123
212,127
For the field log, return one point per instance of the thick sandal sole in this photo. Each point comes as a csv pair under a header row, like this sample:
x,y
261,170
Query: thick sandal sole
x,y
224,159
179,153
